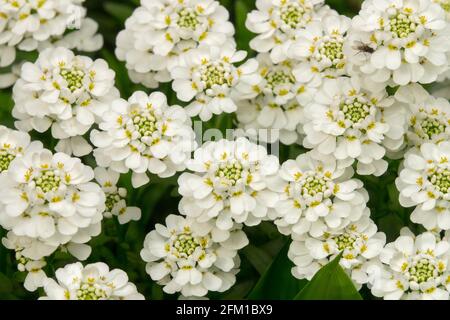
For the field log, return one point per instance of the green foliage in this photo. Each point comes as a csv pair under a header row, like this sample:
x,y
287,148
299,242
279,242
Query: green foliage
x,y
277,281
330,283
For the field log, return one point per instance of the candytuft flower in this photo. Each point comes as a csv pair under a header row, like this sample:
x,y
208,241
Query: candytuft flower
x,y
424,182
144,135
399,42
160,32
211,81
228,184
66,93
93,282
184,256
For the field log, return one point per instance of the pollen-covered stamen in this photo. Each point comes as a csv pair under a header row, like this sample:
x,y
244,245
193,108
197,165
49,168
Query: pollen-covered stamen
x,y
445,5
230,173
422,270
145,124
187,18
279,78
5,159
47,181
90,292
185,244
331,50
440,178
355,110
74,78
216,73
292,14
402,25
431,127
345,241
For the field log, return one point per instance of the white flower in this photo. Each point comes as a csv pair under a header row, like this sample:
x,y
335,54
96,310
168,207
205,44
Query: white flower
x,y
399,42
115,197
277,23
352,123
228,184
210,77
279,103
14,144
65,92
160,32
143,135
414,268
93,282
184,257
424,182
49,197
445,4
32,25
316,196
359,241
319,50
428,117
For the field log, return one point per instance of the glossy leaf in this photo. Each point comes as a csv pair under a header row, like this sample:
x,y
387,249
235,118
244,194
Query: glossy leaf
x,y
330,283
277,281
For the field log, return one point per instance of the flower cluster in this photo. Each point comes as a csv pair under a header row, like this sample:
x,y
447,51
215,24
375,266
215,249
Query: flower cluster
x,y
277,24
279,102
399,42
66,93
93,282
316,196
424,182
160,32
359,243
345,94
211,82
352,123
50,199
185,256
143,135
414,268
34,25
229,185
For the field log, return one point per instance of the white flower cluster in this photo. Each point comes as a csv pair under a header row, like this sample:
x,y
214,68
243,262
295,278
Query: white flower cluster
x,y
316,196
399,41
66,93
413,268
161,32
48,201
279,104
352,123
143,135
229,185
211,82
347,90
185,256
359,243
34,25
93,282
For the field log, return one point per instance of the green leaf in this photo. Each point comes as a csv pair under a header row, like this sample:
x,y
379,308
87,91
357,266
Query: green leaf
x,y
277,281
330,283
257,257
